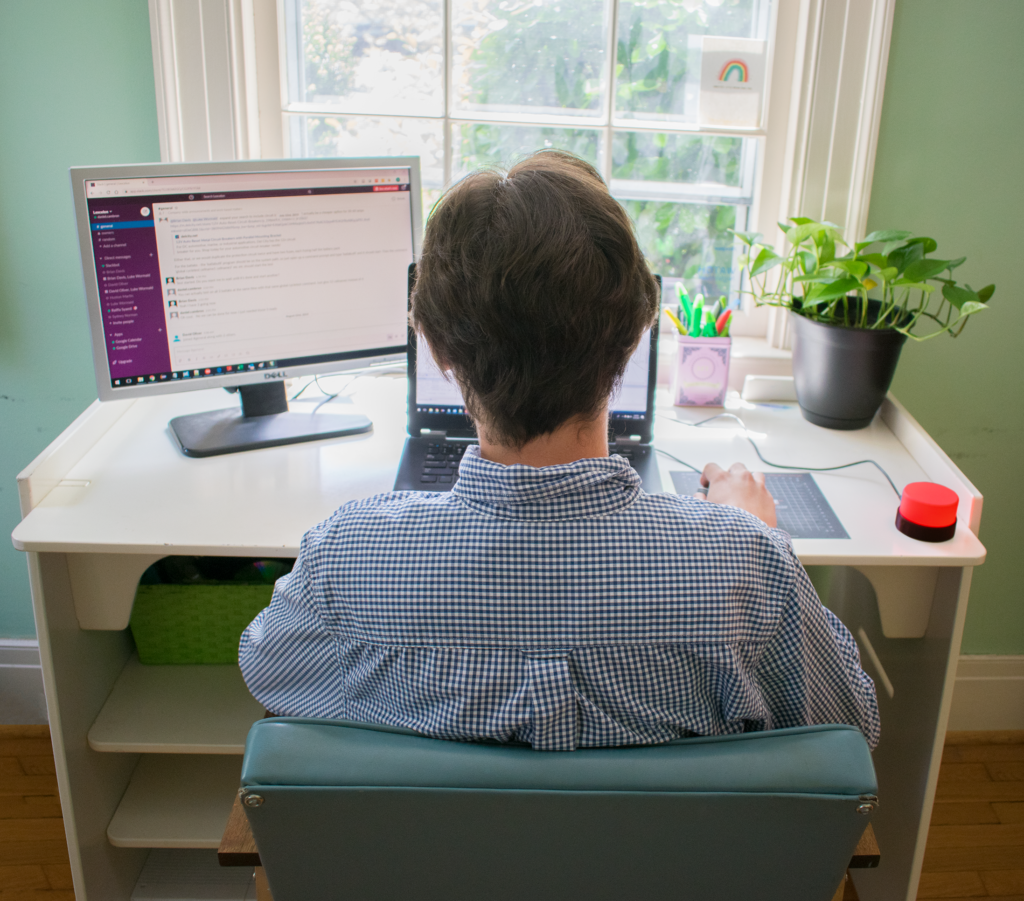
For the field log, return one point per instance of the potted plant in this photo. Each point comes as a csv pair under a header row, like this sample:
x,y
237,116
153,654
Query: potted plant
x,y
854,308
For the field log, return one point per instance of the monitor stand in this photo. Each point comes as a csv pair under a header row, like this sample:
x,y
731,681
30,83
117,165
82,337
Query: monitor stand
x,y
263,421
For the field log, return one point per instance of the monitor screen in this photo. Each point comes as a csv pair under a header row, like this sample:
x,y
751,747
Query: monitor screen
x,y
437,394
225,277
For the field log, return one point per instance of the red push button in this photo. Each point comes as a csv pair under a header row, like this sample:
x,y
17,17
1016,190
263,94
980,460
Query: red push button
x,y
927,512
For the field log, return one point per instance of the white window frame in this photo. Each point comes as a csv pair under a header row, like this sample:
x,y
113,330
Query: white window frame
x,y
220,91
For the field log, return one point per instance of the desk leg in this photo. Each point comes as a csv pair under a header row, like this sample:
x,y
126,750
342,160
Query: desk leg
x,y
921,672
79,670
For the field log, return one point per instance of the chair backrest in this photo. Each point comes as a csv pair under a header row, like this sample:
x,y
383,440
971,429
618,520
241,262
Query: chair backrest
x,y
343,811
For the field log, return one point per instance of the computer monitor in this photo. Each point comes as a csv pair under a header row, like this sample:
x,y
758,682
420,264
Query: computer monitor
x,y
241,275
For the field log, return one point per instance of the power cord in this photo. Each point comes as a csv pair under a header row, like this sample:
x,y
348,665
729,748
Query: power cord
x,y
760,456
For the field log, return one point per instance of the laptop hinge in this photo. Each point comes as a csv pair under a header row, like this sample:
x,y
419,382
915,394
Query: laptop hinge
x,y
625,440
433,435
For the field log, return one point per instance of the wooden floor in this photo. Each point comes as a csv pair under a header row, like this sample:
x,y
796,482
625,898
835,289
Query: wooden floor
x,y
976,840
975,844
33,851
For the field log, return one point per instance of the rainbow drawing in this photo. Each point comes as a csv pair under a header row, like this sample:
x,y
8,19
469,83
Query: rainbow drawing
x,y
735,70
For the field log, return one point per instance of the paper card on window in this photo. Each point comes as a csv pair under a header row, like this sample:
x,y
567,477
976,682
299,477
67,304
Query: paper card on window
x,y
731,81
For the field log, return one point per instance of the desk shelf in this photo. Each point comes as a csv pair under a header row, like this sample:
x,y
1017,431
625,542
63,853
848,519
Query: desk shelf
x,y
176,710
176,801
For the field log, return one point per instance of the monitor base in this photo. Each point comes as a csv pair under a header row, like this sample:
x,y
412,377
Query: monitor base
x,y
262,421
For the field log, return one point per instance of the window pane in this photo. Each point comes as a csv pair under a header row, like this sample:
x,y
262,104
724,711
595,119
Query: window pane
x,y
369,56
475,145
690,241
658,55
683,167
511,57
353,136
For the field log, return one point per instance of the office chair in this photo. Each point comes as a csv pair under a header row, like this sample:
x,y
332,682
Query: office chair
x,y
341,810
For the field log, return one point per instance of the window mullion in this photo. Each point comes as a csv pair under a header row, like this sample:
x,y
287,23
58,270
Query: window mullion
x,y
447,136
613,42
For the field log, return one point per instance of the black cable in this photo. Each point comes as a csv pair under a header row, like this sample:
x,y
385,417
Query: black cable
x,y
760,456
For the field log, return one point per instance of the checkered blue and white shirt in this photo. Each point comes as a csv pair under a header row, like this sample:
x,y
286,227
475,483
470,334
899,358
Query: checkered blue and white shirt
x,y
559,606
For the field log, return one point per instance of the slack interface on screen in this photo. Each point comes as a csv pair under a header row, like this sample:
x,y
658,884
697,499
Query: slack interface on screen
x,y
217,274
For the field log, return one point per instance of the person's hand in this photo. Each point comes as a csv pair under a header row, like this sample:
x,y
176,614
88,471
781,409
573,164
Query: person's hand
x,y
737,486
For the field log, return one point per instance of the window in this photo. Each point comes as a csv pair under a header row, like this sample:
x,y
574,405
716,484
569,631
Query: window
x,y
268,78
617,83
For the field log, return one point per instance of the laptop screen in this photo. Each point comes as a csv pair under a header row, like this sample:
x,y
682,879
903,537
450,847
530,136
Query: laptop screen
x,y
436,394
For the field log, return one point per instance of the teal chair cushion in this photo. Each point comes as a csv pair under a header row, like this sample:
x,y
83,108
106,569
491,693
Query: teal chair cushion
x,y
346,811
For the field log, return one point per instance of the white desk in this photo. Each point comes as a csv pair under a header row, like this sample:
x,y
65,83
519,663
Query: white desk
x,y
148,756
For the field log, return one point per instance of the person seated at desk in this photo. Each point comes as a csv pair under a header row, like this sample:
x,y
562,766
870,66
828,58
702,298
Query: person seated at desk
x,y
547,598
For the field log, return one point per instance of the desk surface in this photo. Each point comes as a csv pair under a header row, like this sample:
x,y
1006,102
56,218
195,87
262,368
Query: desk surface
x,y
133,492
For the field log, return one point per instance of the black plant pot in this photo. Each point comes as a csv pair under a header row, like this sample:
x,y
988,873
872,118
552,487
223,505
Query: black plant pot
x,y
841,374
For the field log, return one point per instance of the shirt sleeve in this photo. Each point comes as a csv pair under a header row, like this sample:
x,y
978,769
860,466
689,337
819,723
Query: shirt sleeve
x,y
810,671
286,654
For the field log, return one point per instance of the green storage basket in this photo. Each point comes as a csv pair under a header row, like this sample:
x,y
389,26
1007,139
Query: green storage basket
x,y
194,623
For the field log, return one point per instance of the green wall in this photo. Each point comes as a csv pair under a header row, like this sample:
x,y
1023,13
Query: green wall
x,y
76,88
949,165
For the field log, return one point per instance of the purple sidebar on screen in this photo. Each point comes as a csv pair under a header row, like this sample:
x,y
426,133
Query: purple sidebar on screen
x,y
128,274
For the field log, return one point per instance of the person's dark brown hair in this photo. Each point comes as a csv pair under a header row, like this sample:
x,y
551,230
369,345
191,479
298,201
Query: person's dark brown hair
x,y
532,289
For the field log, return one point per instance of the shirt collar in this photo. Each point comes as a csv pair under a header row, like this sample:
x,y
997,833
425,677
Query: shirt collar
x,y
595,486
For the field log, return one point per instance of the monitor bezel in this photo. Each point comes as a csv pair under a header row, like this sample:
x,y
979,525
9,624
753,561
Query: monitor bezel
x,y
81,174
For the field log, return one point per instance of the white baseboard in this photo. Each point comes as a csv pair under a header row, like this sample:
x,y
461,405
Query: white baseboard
x,y
22,701
989,694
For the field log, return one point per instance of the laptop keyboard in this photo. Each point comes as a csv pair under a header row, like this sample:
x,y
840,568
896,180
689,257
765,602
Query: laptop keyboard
x,y
441,463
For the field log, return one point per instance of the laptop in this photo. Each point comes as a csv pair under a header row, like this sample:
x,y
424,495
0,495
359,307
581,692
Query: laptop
x,y
440,431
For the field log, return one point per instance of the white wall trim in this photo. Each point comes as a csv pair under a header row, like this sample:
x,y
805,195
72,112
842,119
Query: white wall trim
x,y
988,694
22,701
213,102
834,115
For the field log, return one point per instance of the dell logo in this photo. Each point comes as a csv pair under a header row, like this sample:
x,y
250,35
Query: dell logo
x,y
279,374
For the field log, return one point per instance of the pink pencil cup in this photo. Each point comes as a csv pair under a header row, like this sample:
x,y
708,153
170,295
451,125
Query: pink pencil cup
x,y
702,371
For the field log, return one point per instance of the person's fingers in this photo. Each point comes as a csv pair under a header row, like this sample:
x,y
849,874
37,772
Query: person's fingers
x,y
738,469
758,477
700,495
711,471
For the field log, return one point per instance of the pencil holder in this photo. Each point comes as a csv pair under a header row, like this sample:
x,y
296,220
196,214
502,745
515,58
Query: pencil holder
x,y
702,371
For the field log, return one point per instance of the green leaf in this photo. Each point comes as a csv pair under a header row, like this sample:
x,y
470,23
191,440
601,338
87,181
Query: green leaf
x,y
747,238
839,288
959,296
885,236
915,286
808,262
856,268
986,293
890,246
766,259
923,269
904,256
800,220
876,259
888,273
802,232
827,253
972,306
785,228
954,263
930,245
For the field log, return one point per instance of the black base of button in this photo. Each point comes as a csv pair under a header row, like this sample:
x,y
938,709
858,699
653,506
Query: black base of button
x,y
924,533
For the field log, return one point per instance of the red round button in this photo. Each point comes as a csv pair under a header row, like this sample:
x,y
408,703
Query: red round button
x,y
928,504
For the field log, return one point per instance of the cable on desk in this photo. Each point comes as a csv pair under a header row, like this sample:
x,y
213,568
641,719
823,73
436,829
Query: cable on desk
x,y
760,456
673,457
